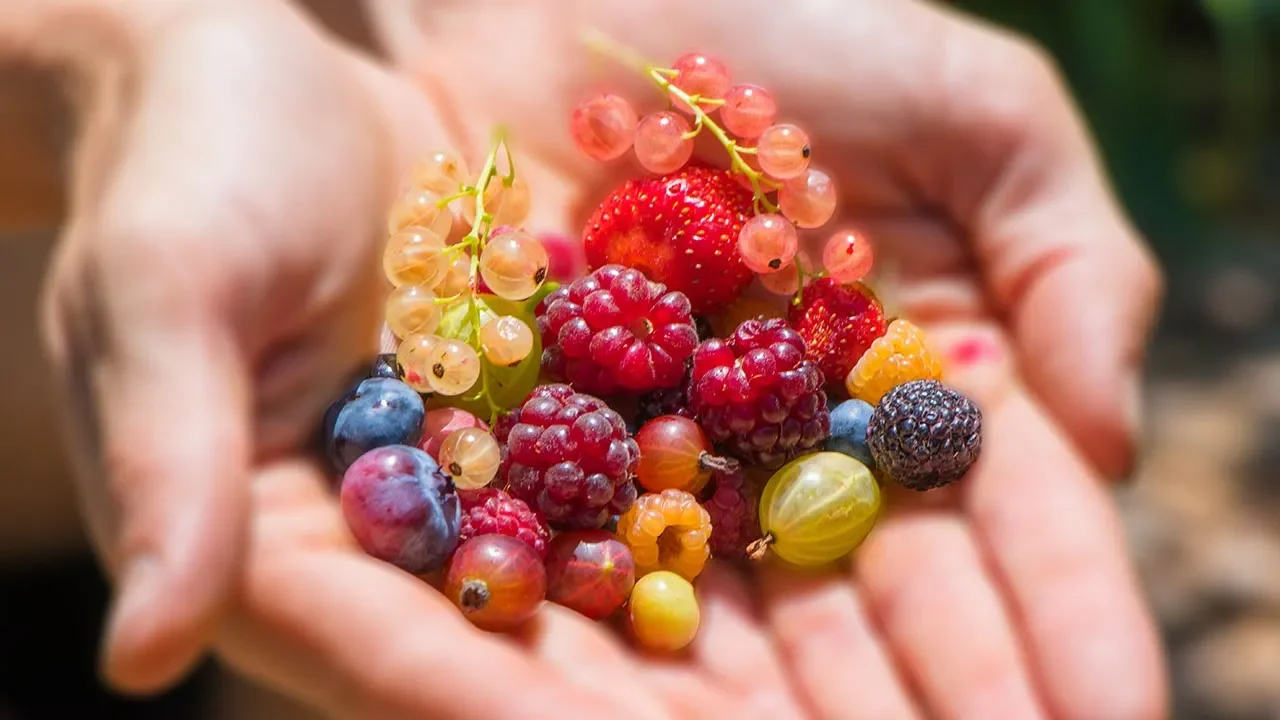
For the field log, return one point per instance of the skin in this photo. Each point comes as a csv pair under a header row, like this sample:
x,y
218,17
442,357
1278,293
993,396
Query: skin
x,y
246,161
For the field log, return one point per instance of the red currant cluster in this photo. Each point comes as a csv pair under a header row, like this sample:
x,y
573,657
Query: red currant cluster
x,y
646,416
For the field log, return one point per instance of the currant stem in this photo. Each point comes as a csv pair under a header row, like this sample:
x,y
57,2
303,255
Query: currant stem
x,y
757,549
716,463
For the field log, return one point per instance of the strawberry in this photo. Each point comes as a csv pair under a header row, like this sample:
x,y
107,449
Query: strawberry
x,y
680,229
838,324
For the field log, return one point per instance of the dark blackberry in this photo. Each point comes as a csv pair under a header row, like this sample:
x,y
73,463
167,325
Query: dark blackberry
x,y
924,435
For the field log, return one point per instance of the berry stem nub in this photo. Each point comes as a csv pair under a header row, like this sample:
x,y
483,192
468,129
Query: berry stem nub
x,y
716,463
475,596
757,549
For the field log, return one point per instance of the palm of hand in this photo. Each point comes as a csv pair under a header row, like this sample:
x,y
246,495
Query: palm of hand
x,y
984,602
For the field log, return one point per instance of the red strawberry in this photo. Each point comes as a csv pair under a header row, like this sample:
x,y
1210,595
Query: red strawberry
x,y
679,229
838,324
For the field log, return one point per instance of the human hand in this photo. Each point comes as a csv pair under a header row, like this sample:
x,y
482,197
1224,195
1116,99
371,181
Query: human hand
x,y
958,151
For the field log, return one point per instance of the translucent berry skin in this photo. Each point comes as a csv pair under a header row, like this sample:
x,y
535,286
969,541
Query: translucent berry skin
x,y
667,531
818,508
590,572
758,396
412,309
452,367
568,455
375,413
506,340
443,422
496,581
420,208
809,200
675,454
663,613
733,506
701,75
513,265
604,127
849,422
457,276
615,331
783,151
838,323
748,110
661,144
489,511
401,508
414,355
508,204
470,457
415,256
847,256
900,356
443,173
768,243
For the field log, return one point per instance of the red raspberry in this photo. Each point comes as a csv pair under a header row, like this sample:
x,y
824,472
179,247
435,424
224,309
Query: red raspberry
x,y
732,505
758,396
615,331
569,457
490,511
680,229
838,324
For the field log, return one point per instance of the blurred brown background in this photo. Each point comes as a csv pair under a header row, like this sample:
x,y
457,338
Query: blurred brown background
x,y
1182,97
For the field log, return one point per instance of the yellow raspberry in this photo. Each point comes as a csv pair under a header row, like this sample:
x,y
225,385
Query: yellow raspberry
x,y
667,531
900,356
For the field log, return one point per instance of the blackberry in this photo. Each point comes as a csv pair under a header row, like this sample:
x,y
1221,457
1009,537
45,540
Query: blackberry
x,y
924,435
666,401
489,511
569,457
757,396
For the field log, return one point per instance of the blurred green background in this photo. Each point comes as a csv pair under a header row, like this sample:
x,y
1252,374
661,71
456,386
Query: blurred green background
x,y
1181,95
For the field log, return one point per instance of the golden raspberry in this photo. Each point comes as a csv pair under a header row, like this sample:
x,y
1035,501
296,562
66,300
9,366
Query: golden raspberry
x,y
900,356
667,531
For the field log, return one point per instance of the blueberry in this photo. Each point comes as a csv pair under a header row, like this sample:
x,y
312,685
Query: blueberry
x,y
386,366
377,412
401,508
849,430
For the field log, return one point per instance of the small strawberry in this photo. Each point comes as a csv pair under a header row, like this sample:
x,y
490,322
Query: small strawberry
x,y
680,229
838,324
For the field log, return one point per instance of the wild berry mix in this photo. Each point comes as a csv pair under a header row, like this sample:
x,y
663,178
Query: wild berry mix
x,y
544,432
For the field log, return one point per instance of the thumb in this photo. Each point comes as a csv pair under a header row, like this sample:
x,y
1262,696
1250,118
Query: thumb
x,y
172,393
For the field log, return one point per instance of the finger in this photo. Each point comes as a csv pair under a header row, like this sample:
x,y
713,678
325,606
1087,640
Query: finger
x,y
172,399
1053,538
837,656
733,645
359,638
943,618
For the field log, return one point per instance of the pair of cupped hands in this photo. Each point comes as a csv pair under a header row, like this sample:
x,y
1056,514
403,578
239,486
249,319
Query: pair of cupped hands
x,y
218,282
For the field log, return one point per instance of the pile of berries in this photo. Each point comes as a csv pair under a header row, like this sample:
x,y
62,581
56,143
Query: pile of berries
x,y
540,433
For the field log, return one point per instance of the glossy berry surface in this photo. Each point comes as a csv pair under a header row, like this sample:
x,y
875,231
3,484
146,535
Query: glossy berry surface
x,y
663,613
419,208
733,505
900,356
748,110
497,582
490,511
412,309
505,340
590,572
470,457
385,366
808,200
415,256
768,243
681,230
452,367
664,401
667,531
925,435
513,265
675,454
783,151
757,395
443,422
401,508
847,256
838,323
615,331
442,172
702,75
849,422
569,457
662,143
818,508
377,412
414,356
604,127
